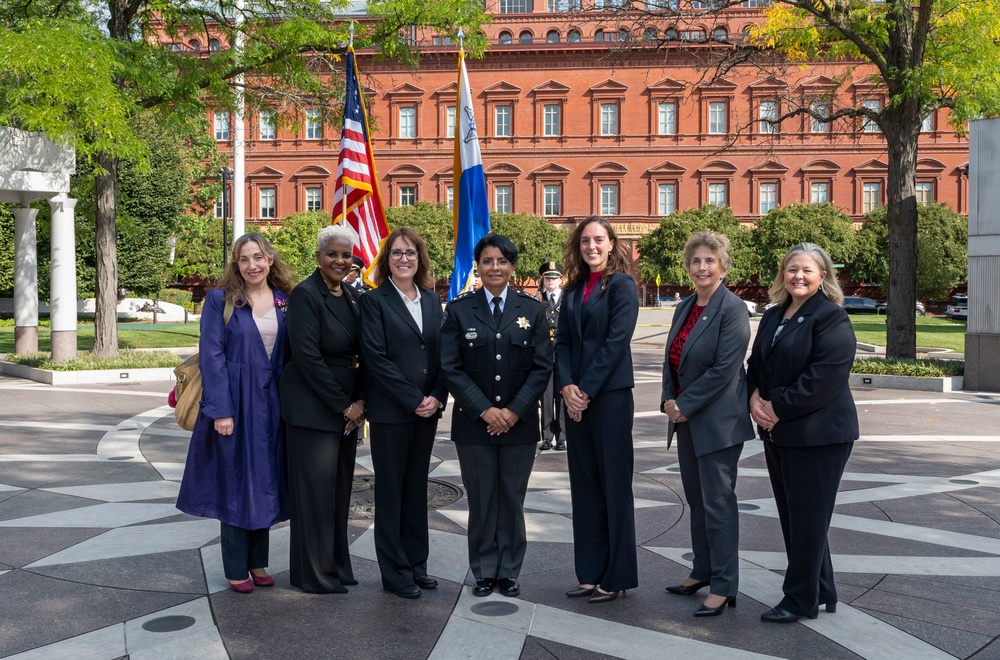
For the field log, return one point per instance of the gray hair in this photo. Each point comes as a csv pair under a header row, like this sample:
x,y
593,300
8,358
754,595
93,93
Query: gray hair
x,y
718,244
830,287
334,233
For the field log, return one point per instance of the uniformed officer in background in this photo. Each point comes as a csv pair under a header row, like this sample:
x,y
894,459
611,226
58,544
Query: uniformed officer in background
x,y
354,278
553,410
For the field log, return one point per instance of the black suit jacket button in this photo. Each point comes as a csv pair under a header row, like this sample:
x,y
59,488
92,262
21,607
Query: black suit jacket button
x,y
498,377
425,371
422,347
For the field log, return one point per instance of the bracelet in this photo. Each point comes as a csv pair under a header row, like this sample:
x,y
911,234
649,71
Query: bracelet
x,y
348,413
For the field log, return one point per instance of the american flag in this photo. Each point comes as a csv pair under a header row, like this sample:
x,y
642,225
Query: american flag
x,y
357,180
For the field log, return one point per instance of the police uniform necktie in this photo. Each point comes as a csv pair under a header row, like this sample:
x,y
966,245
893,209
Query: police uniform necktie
x,y
496,309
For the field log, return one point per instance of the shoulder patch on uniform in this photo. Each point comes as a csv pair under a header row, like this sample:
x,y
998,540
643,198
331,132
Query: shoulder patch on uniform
x,y
528,296
464,296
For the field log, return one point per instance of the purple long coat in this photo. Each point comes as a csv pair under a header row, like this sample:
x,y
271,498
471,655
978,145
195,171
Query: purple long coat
x,y
238,479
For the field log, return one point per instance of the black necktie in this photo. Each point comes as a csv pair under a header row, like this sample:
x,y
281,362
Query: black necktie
x,y
552,299
496,309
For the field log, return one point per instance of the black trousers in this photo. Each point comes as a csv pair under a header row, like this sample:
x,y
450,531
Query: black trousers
x,y
401,455
496,481
600,458
553,412
805,482
710,490
320,478
243,549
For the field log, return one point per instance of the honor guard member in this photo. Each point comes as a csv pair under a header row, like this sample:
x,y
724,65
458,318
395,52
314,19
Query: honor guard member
x,y
553,411
496,356
354,278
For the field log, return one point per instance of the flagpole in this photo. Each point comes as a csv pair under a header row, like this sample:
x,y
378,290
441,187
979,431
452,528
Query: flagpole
x,y
343,199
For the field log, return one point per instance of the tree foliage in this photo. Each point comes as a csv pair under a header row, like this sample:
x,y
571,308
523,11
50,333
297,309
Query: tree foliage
x,y
535,239
781,228
6,252
661,250
942,251
295,240
435,224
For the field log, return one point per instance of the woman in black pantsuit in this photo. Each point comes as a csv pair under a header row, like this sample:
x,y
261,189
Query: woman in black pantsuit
x,y
799,396
401,340
323,404
594,376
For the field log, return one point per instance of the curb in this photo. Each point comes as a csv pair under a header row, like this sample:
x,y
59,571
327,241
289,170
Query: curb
x,y
913,383
90,377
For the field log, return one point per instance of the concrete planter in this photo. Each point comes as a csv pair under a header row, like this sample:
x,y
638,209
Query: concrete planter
x,y
86,377
943,384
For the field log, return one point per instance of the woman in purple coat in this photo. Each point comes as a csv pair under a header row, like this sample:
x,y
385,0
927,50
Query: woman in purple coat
x,y
235,470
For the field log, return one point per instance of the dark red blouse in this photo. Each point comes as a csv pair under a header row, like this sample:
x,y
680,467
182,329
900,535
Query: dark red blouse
x,y
678,343
592,280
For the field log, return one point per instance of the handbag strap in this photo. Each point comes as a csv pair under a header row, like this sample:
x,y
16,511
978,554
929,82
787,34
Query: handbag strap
x,y
227,313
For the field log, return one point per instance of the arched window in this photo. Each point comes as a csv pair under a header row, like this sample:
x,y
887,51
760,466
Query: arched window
x,y
599,35
720,34
505,38
573,37
524,38
670,35
195,45
214,45
623,35
552,37
649,34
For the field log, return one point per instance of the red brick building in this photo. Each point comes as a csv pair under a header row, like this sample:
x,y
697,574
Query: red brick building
x,y
569,128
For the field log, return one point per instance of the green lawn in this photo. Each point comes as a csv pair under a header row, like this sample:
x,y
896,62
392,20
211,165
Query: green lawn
x,y
932,331
130,335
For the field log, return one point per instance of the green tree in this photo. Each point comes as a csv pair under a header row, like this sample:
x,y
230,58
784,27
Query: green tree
x,y
942,251
200,248
78,71
536,241
781,228
661,250
295,240
6,252
436,225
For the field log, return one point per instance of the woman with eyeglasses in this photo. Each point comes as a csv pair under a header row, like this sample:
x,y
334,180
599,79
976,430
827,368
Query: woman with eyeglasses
x,y
400,344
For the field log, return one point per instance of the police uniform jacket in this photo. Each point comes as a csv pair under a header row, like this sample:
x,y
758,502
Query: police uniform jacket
x,y
551,312
505,365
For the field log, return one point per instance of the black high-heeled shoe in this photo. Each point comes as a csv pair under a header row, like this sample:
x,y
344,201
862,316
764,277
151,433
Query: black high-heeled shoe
x,y
601,596
687,589
831,608
580,592
716,611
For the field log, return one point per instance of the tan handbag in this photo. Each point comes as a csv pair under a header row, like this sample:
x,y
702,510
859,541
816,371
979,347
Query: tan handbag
x,y
188,389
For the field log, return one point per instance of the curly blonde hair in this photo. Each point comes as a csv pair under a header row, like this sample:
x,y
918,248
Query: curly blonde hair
x,y
830,287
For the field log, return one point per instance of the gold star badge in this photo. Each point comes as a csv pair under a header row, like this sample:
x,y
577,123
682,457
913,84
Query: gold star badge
x,y
523,323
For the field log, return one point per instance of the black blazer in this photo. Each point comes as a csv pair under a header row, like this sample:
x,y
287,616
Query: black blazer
x,y
486,364
805,375
404,363
592,340
713,382
319,384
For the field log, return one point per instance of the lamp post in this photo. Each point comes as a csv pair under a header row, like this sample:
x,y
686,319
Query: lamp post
x,y
227,176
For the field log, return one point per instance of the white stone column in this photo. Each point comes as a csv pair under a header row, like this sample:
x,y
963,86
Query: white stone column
x,y
62,299
25,281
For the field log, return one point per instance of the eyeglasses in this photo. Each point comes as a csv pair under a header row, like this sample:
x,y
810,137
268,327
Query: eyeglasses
x,y
396,255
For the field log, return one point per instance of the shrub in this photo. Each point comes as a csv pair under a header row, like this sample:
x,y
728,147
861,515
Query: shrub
x,y
85,361
929,368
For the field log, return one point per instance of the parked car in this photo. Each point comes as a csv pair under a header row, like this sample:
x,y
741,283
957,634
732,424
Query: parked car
x,y
751,307
858,305
921,310
958,307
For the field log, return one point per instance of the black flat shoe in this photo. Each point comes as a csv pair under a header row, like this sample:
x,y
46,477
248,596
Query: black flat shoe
x,y
580,592
547,445
831,608
561,445
349,582
426,582
508,587
687,590
781,615
408,592
716,611
601,596
483,587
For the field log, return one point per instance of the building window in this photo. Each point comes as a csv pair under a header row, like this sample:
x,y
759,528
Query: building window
x,y
267,131
222,125
552,120
875,106
195,45
552,37
820,192
514,6
267,203
552,200
666,119
314,199
407,195
720,34
717,117
822,110
573,36
925,193
220,206
927,125
872,197
768,111
449,121
314,125
609,199
214,45
449,197
441,41
660,5
609,119
768,197
408,122
717,194
502,198
693,35
753,4
506,39
501,121
559,6
525,37
666,199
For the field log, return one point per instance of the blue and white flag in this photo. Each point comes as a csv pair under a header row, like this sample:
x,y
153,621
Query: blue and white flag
x,y
472,213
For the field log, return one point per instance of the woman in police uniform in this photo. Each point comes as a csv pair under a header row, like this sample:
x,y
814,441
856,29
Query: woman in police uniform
x,y
496,359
